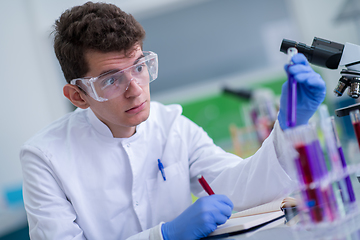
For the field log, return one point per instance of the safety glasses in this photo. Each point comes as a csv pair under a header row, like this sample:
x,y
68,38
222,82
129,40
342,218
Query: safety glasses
x,y
114,83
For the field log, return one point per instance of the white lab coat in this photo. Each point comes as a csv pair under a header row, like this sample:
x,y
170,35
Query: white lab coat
x,y
81,183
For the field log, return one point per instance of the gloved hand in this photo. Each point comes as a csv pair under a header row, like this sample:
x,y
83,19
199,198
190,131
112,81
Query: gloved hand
x,y
200,219
311,91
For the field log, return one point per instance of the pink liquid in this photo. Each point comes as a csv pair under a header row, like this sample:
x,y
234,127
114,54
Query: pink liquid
x,y
357,131
312,194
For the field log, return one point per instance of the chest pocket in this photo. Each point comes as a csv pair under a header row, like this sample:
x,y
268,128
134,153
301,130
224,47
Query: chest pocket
x,y
171,197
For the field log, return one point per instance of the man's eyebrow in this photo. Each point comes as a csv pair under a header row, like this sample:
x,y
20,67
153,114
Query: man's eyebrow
x,y
138,59
117,69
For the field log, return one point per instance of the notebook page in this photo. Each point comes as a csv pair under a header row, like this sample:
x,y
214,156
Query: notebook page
x,y
265,208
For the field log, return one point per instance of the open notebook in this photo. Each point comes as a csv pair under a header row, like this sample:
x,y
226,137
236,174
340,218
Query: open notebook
x,y
254,217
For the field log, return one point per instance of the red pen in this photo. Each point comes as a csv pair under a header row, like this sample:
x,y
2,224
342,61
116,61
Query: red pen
x,y
205,185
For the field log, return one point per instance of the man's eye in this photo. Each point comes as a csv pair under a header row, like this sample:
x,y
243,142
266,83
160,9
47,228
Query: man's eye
x,y
140,67
109,81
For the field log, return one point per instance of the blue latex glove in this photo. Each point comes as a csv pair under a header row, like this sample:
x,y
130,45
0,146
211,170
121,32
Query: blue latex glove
x,y
311,91
200,219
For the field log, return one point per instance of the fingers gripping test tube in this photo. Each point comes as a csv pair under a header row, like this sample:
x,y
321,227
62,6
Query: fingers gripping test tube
x,y
292,96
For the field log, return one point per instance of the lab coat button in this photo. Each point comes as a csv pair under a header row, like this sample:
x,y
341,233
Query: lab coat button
x,y
136,203
128,145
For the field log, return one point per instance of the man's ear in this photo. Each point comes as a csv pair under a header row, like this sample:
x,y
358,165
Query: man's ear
x,y
76,96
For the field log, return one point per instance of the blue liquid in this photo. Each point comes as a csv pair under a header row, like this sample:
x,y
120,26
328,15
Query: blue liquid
x,y
291,103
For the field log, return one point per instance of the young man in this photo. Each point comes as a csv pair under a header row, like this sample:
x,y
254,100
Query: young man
x,y
95,173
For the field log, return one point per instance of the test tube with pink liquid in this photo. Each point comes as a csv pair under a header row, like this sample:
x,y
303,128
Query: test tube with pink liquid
x,y
355,120
311,170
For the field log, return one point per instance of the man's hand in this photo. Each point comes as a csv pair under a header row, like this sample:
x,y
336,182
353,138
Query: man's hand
x,y
311,91
200,219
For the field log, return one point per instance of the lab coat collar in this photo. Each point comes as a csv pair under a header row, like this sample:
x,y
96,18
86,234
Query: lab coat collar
x,y
104,130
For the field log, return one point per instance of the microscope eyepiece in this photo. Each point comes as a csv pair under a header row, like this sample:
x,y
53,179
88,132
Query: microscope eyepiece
x,y
322,52
301,47
287,44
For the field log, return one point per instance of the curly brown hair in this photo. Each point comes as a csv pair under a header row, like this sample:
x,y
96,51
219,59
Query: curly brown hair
x,y
93,26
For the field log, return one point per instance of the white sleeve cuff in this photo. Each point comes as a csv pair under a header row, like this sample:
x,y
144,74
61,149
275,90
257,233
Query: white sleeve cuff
x,y
149,234
155,232
285,152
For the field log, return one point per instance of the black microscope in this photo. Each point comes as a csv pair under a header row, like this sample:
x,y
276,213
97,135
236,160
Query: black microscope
x,y
328,54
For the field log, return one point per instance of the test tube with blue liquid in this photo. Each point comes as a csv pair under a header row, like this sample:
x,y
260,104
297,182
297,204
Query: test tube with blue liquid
x,y
349,187
292,88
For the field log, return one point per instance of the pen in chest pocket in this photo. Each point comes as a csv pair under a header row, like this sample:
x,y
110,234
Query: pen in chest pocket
x,y
161,168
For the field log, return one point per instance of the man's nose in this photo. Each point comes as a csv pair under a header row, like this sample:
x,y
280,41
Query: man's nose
x,y
133,88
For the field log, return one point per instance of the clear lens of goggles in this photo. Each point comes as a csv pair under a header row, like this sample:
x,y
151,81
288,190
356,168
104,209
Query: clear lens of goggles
x,y
112,84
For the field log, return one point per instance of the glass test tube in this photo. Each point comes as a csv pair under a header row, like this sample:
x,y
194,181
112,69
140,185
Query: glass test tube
x,y
337,171
309,170
343,162
355,120
329,201
292,96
